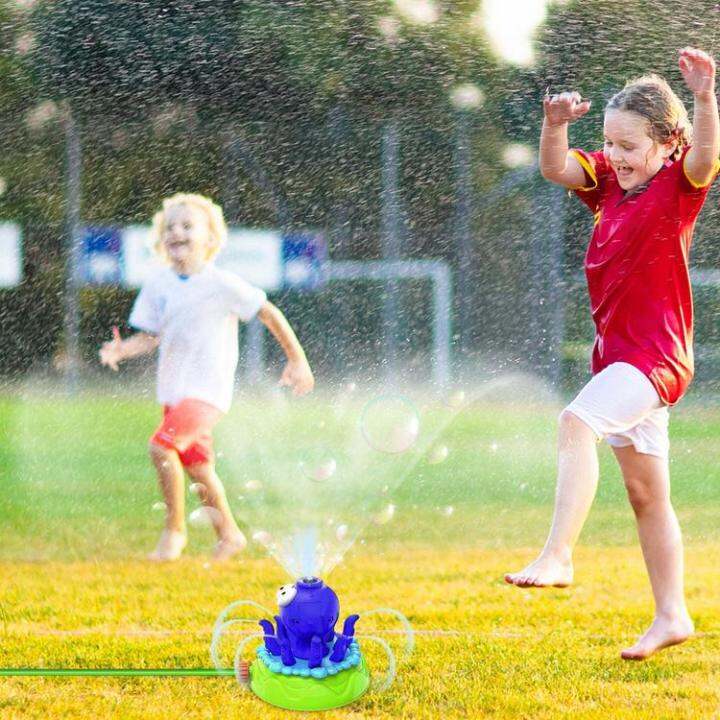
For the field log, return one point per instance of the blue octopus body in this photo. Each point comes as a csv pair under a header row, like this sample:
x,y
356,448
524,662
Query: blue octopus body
x,y
305,627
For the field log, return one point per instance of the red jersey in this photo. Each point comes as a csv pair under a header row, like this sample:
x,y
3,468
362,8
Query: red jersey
x,y
637,272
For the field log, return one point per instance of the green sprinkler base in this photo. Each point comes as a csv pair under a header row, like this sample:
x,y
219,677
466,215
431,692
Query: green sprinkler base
x,y
293,692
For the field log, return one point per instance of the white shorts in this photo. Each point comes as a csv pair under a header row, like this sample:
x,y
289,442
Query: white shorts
x,y
621,405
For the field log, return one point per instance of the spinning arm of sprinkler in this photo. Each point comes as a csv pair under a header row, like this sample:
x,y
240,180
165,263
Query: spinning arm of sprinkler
x,y
343,640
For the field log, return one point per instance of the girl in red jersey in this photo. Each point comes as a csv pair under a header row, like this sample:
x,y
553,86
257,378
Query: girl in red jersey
x,y
645,188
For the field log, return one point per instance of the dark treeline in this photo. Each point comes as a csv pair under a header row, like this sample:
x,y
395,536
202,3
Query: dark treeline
x,y
277,109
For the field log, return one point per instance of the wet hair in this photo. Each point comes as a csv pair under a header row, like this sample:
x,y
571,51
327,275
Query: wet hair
x,y
653,99
216,222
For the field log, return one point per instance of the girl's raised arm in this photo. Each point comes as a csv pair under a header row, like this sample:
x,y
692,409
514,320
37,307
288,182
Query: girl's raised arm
x,y
556,163
698,71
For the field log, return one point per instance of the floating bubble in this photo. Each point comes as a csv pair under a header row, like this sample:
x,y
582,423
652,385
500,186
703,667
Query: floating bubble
x,y
456,399
493,447
341,532
253,485
325,470
204,517
159,506
385,515
437,454
447,511
262,537
523,487
390,424
350,387
196,488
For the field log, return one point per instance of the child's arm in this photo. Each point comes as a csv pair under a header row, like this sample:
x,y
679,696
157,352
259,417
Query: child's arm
x,y
116,350
297,373
556,163
701,162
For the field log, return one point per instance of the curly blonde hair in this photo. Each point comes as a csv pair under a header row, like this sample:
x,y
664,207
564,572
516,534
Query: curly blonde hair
x,y
215,219
653,99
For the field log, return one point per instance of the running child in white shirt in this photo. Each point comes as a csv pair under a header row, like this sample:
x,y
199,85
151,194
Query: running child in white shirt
x,y
190,311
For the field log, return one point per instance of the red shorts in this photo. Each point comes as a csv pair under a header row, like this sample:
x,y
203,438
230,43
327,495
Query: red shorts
x,y
187,429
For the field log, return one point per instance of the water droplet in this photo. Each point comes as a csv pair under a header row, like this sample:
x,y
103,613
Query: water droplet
x,y
438,454
390,424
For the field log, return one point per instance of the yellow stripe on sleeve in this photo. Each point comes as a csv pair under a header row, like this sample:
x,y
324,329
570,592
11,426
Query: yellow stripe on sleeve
x,y
699,186
587,167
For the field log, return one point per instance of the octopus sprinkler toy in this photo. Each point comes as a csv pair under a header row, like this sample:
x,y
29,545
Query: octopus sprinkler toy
x,y
303,662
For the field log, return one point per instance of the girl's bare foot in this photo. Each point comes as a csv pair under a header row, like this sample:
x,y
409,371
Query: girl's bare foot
x,y
546,571
661,634
169,547
227,548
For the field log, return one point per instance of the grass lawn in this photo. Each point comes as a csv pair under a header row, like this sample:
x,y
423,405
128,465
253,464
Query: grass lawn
x,y
76,519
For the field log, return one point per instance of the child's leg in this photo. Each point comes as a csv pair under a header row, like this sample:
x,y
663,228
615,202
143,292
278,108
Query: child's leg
x,y
648,485
231,538
171,481
576,484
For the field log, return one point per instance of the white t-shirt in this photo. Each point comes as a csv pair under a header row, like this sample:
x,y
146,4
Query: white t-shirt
x,y
196,319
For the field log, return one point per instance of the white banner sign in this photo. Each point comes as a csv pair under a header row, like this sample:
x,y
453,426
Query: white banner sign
x,y
10,255
255,255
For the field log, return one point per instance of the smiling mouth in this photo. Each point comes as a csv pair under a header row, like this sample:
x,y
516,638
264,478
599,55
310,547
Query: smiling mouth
x,y
623,170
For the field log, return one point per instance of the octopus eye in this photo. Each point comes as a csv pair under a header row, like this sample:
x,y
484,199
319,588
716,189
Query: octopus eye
x,y
286,594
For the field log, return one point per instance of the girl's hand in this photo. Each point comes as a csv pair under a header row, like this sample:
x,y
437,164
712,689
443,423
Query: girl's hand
x,y
564,108
111,352
698,70
298,376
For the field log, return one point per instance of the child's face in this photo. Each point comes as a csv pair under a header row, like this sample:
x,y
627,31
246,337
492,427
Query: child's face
x,y
186,235
633,154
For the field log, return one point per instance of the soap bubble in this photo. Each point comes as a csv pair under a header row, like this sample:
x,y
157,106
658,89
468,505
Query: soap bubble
x,y
317,463
262,537
456,399
385,515
493,447
159,506
253,485
196,488
447,511
341,532
204,517
437,454
390,424
325,470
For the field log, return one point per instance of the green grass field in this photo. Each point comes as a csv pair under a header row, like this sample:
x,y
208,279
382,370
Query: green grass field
x,y
76,521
